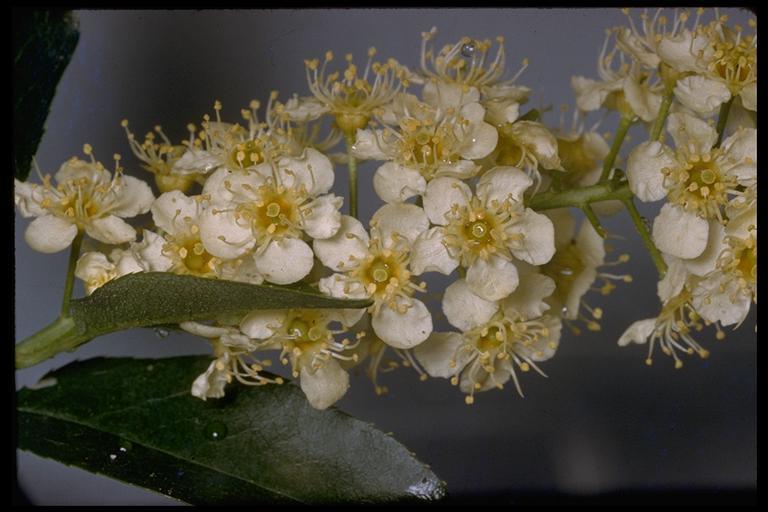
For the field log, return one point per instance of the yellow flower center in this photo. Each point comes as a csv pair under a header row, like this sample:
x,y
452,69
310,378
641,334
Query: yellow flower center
x,y
735,62
246,154
275,213
477,231
699,185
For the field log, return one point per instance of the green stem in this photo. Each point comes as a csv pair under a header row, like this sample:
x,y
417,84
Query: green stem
x,y
63,334
70,282
639,223
666,102
352,167
582,196
722,120
621,132
592,218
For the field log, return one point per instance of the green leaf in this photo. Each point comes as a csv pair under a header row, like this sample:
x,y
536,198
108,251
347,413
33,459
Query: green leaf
x,y
148,299
135,420
43,43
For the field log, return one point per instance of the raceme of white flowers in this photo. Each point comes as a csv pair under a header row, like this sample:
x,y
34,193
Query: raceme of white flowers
x,y
463,171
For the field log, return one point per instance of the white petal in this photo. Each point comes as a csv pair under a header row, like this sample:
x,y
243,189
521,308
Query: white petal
x,y
462,169
564,225
49,234
438,351
700,94
465,310
591,245
396,183
175,213
369,145
492,279
285,261
126,262
644,167
673,281
324,386
312,169
304,109
134,197
638,332
528,298
590,94
442,193
27,198
538,244
110,230
76,169
262,324
631,44
443,94
195,161
680,233
350,243
222,236
719,299
342,287
479,141
210,384
404,219
324,218
429,254
644,102
691,132
741,147
226,187
749,97
93,268
503,183
539,140
680,52
210,332
149,252
403,330
706,261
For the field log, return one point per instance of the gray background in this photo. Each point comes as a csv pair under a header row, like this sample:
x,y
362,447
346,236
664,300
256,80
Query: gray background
x,y
602,420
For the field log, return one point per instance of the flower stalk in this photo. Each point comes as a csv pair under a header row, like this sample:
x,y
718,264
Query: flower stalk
x,y
70,281
722,120
621,133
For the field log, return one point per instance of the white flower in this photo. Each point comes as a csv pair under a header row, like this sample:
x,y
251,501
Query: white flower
x,y
378,268
427,143
306,342
527,145
575,267
95,269
486,232
677,321
86,198
271,209
353,99
495,337
726,292
175,167
698,180
233,359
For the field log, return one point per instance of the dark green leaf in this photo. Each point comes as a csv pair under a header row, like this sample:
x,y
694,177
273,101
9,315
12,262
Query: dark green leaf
x,y
153,298
135,420
43,43
148,299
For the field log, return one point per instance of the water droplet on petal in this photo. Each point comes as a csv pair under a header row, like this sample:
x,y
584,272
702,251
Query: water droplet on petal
x,y
112,456
215,431
564,311
161,332
468,49
567,271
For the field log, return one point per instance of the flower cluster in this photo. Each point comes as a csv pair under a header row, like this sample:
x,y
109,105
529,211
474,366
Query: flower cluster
x,y
475,187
